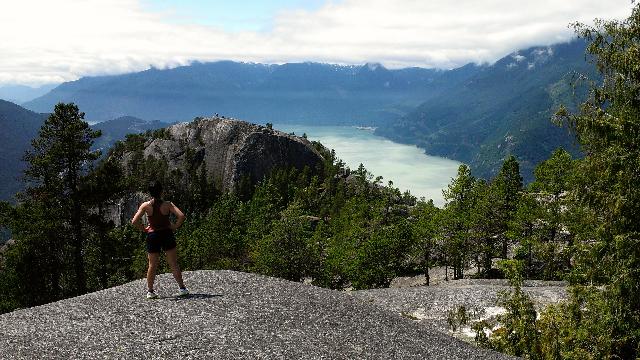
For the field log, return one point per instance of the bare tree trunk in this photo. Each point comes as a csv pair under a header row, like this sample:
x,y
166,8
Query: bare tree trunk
x,y
504,246
76,229
427,265
446,272
103,245
78,258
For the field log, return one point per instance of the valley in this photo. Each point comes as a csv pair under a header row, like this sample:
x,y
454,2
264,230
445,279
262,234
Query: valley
x,y
408,167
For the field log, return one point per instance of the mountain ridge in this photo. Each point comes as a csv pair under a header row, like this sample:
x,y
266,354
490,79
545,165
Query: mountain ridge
x,y
19,94
503,109
229,154
256,92
477,114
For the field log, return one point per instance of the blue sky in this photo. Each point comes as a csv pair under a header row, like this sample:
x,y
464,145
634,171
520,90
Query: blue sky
x,y
44,41
234,16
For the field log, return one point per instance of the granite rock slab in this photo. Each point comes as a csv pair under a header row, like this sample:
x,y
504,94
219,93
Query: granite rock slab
x,y
229,315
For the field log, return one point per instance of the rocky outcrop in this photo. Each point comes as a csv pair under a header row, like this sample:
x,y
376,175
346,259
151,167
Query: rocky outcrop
x,y
229,315
430,305
122,210
4,248
231,151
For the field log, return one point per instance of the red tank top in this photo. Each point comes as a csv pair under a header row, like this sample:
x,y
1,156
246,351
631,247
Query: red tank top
x,y
157,220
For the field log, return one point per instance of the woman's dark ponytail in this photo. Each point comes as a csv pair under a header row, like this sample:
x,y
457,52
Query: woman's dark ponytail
x,y
155,189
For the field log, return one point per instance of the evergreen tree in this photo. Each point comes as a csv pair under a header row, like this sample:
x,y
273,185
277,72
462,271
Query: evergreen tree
x,y
219,239
608,128
99,189
457,219
541,224
286,250
486,227
508,187
33,267
522,232
425,228
553,243
58,161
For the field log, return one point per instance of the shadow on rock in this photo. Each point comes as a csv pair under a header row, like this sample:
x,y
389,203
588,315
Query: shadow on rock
x,y
194,296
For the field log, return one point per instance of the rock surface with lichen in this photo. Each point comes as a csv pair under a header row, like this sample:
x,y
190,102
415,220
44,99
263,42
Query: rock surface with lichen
x,y
231,151
229,315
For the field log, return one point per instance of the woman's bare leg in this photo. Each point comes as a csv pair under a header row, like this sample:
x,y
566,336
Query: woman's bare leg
x,y
151,271
172,259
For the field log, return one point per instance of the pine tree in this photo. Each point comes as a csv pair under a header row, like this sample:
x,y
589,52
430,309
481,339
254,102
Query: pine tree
x,y
608,128
486,230
507,186
457,219
553,243
285,251
102,185
425,233
60,157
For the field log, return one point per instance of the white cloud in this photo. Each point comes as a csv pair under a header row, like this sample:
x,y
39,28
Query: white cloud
x,y
52,41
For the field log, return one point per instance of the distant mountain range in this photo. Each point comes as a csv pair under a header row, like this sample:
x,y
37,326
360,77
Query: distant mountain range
x,y
289,93
20,93
505,108
477,114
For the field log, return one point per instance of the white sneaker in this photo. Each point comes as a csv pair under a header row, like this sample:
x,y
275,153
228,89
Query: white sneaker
x,y
183,292
152,295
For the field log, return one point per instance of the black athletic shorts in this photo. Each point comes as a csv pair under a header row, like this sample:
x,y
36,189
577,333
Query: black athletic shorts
x,y
160,240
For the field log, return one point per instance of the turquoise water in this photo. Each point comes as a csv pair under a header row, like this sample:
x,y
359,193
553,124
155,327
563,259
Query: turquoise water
x,y
406,165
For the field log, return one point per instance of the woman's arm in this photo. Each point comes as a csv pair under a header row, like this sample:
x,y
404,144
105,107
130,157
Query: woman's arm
x,y
136,218
179,216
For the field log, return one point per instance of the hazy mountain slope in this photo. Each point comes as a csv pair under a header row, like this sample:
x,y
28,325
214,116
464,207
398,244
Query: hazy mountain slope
x,y
301,92
19,126
21,93
503,108
230,315
117,129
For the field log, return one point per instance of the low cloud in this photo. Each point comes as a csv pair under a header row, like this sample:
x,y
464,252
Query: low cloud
x,y
62,40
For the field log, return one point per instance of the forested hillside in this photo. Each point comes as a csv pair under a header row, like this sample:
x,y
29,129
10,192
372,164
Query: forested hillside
x,y
503,109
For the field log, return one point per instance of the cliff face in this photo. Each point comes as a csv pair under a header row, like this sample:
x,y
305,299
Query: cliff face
x,y
229,150
122,210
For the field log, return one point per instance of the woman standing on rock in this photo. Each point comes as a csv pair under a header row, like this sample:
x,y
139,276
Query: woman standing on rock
x,y
160,236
